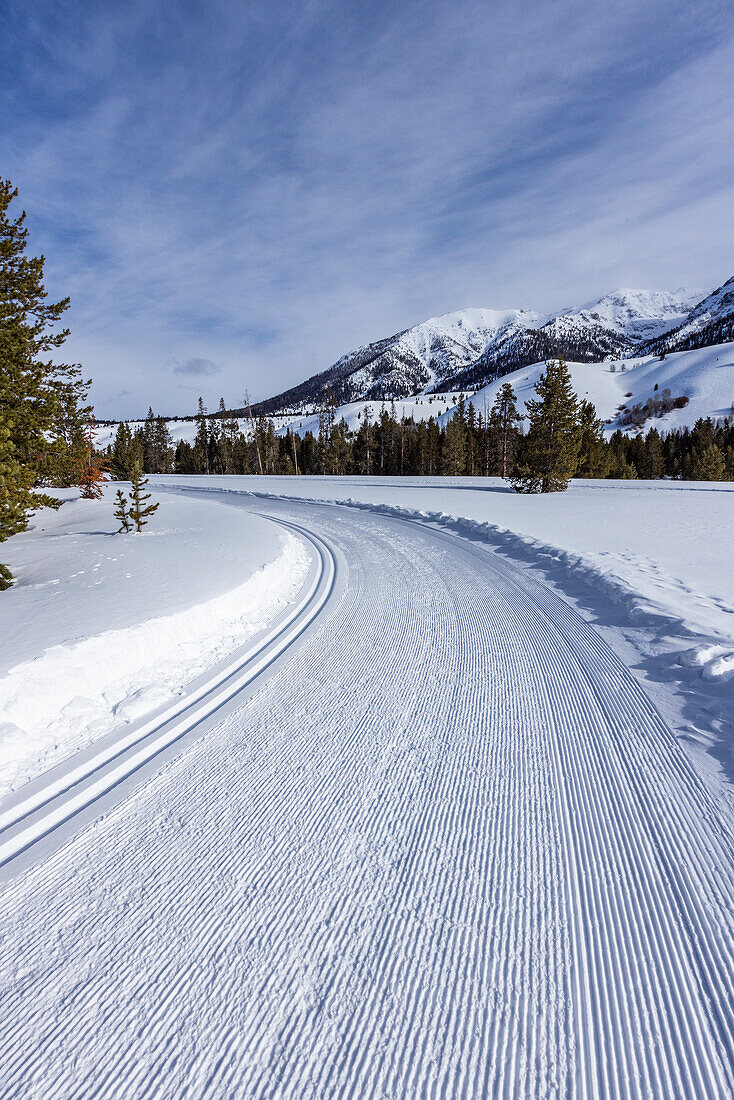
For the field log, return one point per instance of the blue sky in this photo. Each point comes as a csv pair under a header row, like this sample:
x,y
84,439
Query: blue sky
x,y
235,194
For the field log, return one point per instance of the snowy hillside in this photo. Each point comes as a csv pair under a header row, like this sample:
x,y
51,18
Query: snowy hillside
x,y
613,345
704,376
422,407
414,361
709,321
633,315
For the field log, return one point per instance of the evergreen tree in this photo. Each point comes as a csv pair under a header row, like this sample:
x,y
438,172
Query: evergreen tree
x,y
652,462
35,394
162,447
503,430
121,512
201,442
93,474
148,441
453,454
122,458
593,460
139,510
551,447
708,464
472,441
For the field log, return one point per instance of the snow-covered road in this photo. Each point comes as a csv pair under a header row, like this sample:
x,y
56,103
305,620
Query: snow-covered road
x,y
447,849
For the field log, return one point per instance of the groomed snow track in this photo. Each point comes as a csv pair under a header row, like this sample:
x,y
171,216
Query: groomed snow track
x,y
448,849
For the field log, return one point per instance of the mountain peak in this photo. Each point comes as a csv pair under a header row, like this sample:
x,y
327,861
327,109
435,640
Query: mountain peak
x,y
466,348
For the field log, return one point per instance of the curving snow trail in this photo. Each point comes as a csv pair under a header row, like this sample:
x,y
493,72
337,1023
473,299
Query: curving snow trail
x,y
448,849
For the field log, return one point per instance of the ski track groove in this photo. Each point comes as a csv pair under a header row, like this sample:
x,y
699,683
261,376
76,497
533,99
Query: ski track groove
x,y
450,850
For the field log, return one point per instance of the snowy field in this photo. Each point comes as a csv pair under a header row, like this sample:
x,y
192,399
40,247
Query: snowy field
x,y
102,629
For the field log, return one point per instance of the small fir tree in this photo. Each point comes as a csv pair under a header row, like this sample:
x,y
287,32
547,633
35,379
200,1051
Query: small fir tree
x,y
139,510
121,512
93,473
551,447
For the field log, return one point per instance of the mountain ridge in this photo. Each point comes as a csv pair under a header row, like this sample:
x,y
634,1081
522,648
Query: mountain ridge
x,y
469,348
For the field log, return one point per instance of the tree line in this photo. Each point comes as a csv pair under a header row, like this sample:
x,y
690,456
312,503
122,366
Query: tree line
x,y
561,437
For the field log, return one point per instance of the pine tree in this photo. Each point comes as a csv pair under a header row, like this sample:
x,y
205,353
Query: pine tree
x,y
593,460
201,442
551,447
121,512
162,447
503,431
35,394
93,474
652,463
121,459
708,464
139,510
453,455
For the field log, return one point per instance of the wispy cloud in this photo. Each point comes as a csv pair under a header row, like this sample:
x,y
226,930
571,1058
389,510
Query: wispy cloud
x,y
197,366
262,188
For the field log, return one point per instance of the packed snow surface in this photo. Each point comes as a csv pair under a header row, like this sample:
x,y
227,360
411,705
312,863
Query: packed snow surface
x,y
449,849
101,629
663,548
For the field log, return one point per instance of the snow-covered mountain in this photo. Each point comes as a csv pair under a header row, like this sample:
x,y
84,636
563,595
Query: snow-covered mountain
x,y
710,321
631,315
414,361
468,349
612,327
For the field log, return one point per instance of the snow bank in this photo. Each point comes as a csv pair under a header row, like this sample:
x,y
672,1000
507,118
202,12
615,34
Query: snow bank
x,y
103,629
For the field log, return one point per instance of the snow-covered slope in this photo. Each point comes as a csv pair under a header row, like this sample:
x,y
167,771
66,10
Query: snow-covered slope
x,y
631,315
422,407
704,376
412,362
467,349
709,321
